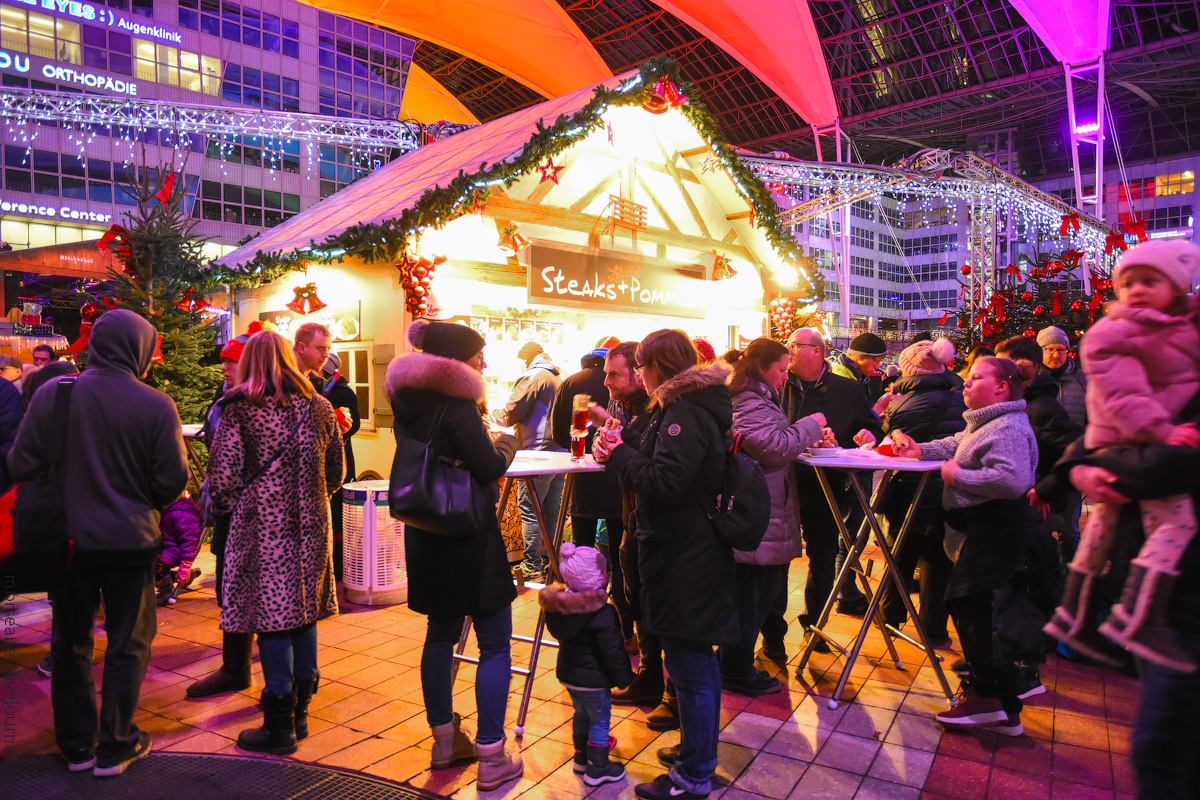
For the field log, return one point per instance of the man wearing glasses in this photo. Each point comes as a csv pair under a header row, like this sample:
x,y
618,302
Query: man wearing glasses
x,y
812,388
1072,389
43,354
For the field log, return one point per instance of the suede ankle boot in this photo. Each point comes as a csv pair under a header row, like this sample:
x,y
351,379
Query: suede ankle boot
x,y
1074,621
277,736
234,674
666,716
451,746
497,766
599,769
304,691
1139,621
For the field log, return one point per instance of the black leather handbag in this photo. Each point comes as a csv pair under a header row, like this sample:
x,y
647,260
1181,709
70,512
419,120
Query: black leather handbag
x,y
435,493
42,547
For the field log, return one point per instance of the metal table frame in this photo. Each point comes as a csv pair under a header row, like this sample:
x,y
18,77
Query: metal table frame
x,y
550,545
853,466
191,435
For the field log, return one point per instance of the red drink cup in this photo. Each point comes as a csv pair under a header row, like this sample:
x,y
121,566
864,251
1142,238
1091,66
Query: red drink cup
x,y
579,419
578,447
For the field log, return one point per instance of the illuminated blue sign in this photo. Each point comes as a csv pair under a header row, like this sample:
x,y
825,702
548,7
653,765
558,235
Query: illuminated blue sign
x,y
8,61
89,79
62,212
90,13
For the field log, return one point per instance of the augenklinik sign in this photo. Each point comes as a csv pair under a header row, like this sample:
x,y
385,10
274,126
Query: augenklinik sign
x,y
57,72
104,16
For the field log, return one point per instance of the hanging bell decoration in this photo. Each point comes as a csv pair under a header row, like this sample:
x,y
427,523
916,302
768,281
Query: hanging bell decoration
x,y
511,241
191,302
306,300
723,268
664,96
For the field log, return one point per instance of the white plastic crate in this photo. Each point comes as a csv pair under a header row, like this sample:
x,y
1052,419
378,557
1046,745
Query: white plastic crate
x,y
373,568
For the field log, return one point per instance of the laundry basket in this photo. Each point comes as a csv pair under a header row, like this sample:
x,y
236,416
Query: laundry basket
x,y
374,572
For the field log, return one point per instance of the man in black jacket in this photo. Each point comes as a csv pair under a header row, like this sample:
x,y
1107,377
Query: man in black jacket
x,y
124,460
339,394
810,388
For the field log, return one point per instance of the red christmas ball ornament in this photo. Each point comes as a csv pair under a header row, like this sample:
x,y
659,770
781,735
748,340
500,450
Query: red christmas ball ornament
x,y
426,282
1077,306
1030,332
1073,355
965,269
87,311
1033,272
1026,295
774,302
962,323
1039,311
419,291
421,272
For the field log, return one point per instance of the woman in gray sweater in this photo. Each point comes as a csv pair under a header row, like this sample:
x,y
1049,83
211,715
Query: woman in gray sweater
x,y
987,469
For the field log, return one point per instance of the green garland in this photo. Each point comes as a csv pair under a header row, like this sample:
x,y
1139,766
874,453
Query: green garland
x,y
386,241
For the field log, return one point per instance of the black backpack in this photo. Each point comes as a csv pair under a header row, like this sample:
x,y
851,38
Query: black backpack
x,y
742,509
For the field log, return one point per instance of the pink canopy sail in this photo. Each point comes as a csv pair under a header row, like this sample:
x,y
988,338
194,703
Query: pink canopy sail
x,y
1075,31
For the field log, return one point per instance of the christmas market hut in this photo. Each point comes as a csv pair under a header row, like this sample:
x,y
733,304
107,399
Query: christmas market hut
x,y
609,212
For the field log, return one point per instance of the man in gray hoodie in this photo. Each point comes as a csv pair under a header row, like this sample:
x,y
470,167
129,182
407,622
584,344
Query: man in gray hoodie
x,y
123,461
528,410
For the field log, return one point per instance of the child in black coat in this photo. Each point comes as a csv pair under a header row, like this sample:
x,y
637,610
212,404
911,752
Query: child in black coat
x,y
591,656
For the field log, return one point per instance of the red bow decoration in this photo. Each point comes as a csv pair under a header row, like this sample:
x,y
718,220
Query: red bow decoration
x,y
945,316
85,335
1138,228
1069,221
1013,269
114,232
157,358
1056,302
164,194
1071,258
1115,240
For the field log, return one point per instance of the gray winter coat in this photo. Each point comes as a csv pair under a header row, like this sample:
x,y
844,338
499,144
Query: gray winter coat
x,y
124,457
529,405
772,442
996,456
1072,391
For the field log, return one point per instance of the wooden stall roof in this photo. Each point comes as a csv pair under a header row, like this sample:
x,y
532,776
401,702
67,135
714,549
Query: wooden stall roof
x,y
72,260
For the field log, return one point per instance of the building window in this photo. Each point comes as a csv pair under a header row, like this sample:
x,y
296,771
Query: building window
x,y
160,63
862,295
889,245
1164,218
932,302
819,227
1175,183
925,218
890,298
833,292
926,245
356,369
863,267
246,26
862,237
260,89
862,209
40,35
896,273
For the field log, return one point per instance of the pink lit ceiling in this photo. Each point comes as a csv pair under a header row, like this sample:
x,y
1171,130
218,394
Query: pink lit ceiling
x,y
536,43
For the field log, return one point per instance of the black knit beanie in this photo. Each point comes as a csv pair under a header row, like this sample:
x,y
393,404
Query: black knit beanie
x,y
867,344
445,339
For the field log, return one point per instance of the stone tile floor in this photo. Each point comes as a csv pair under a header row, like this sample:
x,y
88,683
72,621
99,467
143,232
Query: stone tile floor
x,y
368,716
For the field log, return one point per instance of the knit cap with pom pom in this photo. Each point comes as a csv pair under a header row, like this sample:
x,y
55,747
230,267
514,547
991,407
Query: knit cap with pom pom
x,y
927,358
584,569
445,339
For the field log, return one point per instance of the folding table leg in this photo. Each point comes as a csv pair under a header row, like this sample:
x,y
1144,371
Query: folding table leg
x,y
889,557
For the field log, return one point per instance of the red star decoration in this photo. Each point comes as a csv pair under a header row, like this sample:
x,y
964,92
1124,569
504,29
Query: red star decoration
x,y
708,165
550,171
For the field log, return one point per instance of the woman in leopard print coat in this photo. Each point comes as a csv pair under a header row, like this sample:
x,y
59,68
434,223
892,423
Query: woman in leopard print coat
x,y
275,461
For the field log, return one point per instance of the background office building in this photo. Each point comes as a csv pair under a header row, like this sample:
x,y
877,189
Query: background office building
x,y
280,56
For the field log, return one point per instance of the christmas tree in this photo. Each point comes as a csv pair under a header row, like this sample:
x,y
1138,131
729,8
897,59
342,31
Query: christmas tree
x,y
162,278
1024,302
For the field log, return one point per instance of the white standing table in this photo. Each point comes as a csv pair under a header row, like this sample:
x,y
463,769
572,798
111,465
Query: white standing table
x,y
890,467
527,465
191,435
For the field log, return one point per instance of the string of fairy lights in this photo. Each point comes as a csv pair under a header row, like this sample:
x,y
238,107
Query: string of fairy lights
x,y
131,121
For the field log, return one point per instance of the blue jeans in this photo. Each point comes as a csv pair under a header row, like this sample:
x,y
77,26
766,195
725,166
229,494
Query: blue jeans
x,y
697,676
492,677
593,713
550,492
1165,734
288,656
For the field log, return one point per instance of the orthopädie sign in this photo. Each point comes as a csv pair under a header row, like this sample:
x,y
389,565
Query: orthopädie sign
x,y
613,281
105,16
60,212
91,80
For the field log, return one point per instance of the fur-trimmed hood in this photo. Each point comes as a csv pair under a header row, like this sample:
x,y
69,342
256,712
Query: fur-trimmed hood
x,y
691,380
557,599
446,376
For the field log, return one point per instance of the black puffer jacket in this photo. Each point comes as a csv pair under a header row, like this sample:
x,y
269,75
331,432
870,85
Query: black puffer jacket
x,y
591,650
927,407
841,400
452,576
1052,425
687,574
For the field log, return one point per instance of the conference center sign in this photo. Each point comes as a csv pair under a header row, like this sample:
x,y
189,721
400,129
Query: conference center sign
x,y
613,281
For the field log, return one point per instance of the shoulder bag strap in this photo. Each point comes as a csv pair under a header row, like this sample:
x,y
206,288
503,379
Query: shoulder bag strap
x,y
286,445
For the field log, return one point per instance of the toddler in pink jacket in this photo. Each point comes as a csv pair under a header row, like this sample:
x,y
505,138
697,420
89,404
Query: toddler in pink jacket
x,y
1142,368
